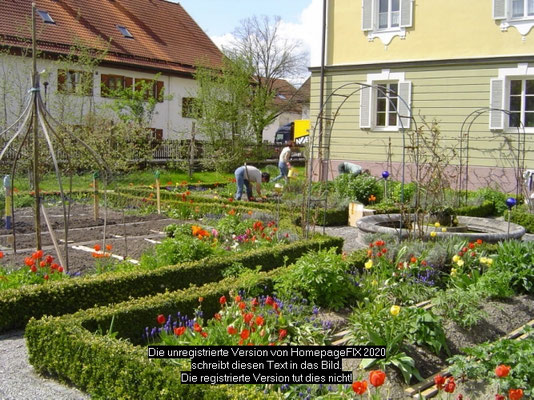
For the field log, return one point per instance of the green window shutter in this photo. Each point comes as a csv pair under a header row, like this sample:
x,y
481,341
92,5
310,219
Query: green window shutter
x,y
406,11
405,92
499,9
367,15
496,117
365,107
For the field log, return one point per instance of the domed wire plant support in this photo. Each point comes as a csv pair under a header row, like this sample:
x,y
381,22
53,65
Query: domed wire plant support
x,y
403,111
465,131
35,116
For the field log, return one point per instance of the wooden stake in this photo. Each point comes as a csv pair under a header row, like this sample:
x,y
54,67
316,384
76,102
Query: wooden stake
x,y
96,211
158,198
53,237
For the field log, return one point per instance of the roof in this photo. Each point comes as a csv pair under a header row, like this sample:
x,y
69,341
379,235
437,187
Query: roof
x,y
165,37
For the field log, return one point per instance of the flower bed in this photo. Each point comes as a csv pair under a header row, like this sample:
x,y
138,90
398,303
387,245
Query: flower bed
x,y
57,298
70,348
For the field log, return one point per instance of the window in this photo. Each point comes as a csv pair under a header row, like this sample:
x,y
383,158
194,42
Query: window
x,y
187,107
522,8
125,32
75,82
385,102
156,134
386,105
516,13
47,19
388,14
513,92
110,83
385,19
521,103
151,88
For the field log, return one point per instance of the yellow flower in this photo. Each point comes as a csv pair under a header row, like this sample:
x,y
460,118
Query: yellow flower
x,y
394,310
433,234
460,263
455,258
443,229
486,260
369,264
453,271
437,225
489,261
374,282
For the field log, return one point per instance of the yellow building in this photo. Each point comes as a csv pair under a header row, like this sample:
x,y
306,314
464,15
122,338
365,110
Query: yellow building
x,y
466,65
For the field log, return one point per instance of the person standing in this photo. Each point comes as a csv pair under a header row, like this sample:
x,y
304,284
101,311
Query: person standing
x,y
283,163
246,175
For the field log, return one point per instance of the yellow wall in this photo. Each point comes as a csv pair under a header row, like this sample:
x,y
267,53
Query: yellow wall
x,y
441,29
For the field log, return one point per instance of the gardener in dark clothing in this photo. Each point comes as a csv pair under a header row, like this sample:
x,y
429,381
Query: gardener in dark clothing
x,y
246,175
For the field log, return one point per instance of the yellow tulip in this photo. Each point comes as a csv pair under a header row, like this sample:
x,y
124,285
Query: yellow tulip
x,y
453,272
433,234
460,263
443,229
394,310
369,264
455,258
437,225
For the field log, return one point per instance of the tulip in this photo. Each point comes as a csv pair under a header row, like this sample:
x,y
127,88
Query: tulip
x,y
377,378
394,310
502,371
161,319
369,264
515,394
439,381
359,387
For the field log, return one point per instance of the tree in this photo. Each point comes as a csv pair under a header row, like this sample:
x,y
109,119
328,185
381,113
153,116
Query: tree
x,y
259,42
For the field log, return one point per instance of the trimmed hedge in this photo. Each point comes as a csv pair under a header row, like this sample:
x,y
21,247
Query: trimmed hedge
x,y
485,209
17,306
523,217
68,348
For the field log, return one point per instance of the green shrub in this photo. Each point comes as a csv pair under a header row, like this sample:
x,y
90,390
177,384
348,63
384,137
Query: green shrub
x,y
486,209
357,188
522,216
518,258
323,277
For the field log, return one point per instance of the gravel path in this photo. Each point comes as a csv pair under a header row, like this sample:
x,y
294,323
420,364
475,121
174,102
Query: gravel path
x,y
19,381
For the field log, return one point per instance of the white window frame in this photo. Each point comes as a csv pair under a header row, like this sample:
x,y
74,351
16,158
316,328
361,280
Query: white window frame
x,y
500,96
371,20
503,12
369,104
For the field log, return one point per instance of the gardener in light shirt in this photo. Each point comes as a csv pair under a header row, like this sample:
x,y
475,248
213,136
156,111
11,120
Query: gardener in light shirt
x,y
283,163
247,174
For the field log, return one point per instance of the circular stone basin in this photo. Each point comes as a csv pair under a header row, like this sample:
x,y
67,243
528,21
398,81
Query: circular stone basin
x,y
489,230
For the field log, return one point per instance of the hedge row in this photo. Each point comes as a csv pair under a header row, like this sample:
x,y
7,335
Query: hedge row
x,y
522,216
69,347
17,306
485,209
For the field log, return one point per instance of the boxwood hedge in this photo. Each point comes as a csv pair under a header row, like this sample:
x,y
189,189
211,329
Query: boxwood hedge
x,y
70,348
17,306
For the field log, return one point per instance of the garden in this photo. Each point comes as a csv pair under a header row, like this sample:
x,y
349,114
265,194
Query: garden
x,y
454,314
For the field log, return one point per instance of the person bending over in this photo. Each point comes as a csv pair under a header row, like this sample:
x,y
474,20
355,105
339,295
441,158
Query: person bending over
x,y
245,176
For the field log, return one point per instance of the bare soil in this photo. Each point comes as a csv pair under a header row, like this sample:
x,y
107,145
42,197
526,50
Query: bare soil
x,y
128,234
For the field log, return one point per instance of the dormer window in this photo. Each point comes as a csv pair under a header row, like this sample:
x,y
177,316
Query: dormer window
x,y
125,32
516,13
385,19
47,19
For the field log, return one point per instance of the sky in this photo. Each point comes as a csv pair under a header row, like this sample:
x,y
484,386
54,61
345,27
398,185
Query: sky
x,y
301,19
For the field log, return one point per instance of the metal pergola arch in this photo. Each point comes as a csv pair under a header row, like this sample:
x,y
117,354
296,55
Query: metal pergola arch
x,y
325,142
463,182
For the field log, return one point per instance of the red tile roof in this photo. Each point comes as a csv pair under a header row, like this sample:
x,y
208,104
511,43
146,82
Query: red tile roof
x,y
165,37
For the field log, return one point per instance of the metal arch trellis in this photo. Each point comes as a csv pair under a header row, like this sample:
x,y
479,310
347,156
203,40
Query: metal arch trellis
x,y
463,181
36,115
324,159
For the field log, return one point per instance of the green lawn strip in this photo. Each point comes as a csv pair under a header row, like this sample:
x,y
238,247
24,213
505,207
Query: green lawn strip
x,y
70,348
17,306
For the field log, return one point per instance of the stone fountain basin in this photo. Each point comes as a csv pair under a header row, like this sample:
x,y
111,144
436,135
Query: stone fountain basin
x,y
489,230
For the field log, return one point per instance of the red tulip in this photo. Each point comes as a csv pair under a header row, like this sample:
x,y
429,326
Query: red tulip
x,y
179,331
237,298
37,254
231,330
450,386
161,319
197,327
359,387
222,300
242,305
282,333
269,300
97,247
1,254
248,317
499,397
245,333
33,268
46,277
377,378
515,394
502,371
439,381
59,269
259,320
